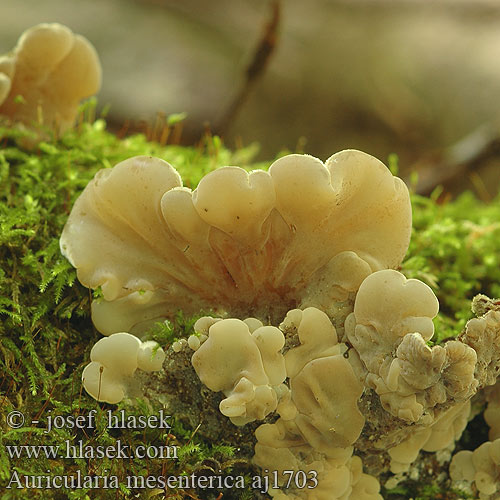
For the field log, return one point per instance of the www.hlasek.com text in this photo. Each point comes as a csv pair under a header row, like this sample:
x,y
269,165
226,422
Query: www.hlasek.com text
x,y
79,450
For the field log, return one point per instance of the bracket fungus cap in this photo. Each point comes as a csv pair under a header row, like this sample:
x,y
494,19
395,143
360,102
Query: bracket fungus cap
x,y
248,243
53,70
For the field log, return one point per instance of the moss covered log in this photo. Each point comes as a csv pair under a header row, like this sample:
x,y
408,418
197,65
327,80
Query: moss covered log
x,y
46,332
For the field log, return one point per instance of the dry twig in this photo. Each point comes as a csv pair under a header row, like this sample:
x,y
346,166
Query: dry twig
x,y
262,55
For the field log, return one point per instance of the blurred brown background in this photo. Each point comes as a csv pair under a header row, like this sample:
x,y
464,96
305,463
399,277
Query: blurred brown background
x,y
418,78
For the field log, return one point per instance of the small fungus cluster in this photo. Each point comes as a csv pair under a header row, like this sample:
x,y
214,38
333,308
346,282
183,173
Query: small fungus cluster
x,y
46,75
114,360
481,466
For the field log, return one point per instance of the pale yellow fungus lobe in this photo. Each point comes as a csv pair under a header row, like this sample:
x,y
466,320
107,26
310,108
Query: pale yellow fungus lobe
x,y
483,335
46,75
389,328
114,360
492,412
480,467
440,435
194,342
178,345
319,416
256,243
245,366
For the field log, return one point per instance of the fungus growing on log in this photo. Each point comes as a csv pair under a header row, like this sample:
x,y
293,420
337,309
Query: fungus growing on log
x,y
335,341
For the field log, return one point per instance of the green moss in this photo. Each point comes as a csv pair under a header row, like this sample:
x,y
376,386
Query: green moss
x,y
179,327
455,249
45,328
422,491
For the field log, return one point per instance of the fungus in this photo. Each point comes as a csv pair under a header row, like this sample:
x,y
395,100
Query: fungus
x,y
391,322
481,467
52,69
114,360
248,243
492,412
245,366
447,428
203,324
194,342
327,413
319,417
328,416
317,337
483,335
